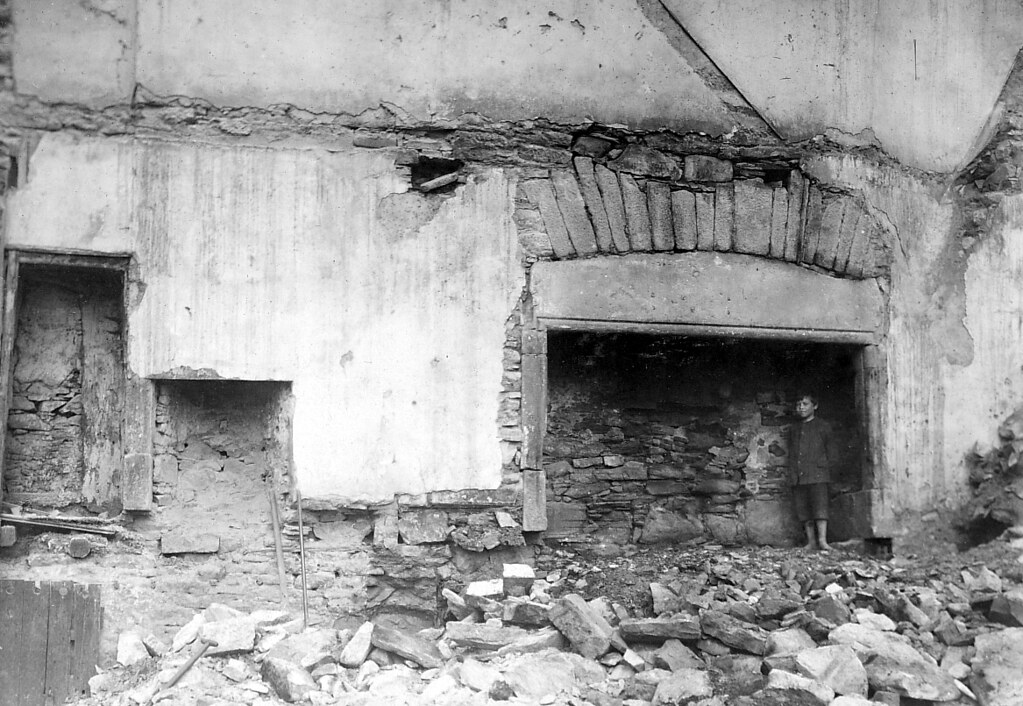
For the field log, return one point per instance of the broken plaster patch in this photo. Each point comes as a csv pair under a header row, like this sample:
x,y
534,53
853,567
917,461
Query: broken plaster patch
x,y
402,215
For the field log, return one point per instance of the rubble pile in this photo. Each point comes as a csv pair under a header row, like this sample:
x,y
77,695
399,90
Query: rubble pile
x,y
996,478
740,626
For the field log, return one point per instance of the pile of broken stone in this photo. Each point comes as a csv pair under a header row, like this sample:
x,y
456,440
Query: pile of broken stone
x,y
840,637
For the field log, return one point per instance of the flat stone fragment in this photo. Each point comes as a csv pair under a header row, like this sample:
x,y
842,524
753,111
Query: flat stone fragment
x,y
541,193
704,221
997,677
682,687
834,665
477,591
752,233
660,629
733,632
421,527
288,680
778,679
683,215
636,215
893,664
699,167
476,675
536,641
788,641
358,648
131,648
1007,608
674,655
573,211
231,635
483,637
614,206
189,543
658,196
526,613
588,632
407,646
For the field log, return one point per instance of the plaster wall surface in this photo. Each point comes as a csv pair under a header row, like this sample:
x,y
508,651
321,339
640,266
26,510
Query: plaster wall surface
x,y
565,60
266,264
75,52
921,77
955,335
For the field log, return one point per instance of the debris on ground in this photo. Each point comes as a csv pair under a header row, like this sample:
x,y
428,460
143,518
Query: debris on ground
x,y
716,626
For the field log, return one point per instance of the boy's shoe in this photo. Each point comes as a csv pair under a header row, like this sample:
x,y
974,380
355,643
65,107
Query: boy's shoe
x,y
825,547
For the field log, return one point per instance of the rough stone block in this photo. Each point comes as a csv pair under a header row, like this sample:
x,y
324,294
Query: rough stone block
x,y
811,224
704,221
534,500
636,215
724,217
674,655
478,591
358,648
699,167
779,216
999,661
831,228
407,646
131,648
183,542
683,214
573,211
385,530
588,632
482,637
733,632
657,630
854,219
658,196
614,206
642,160
541,193
289,681
526,613
594,203
231,635
517,579
8,536
565,519
834,665
794,216
685,686
753,202
421,527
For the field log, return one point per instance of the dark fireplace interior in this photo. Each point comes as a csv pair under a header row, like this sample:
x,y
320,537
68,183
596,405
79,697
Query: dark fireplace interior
x,y
655,438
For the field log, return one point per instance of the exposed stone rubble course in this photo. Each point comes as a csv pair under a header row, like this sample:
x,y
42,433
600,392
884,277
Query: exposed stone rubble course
x,y
735,627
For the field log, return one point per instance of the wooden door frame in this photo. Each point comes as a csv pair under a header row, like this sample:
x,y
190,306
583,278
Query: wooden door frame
x,y
140,399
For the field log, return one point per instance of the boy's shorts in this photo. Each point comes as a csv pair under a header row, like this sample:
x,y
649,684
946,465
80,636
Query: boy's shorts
x,y
811,501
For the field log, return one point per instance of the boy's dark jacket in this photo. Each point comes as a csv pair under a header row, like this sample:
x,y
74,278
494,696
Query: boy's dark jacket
x,y
811,452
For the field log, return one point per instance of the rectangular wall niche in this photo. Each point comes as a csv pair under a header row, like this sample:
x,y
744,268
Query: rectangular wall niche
x,y
218,444
654,438
63,443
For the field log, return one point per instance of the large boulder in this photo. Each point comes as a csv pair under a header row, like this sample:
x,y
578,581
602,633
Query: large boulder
x,y
997,677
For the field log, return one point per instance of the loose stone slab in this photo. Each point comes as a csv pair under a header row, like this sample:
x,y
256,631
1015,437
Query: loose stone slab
x,y
733,632
683,687
408,646
231,635
289,680
834,665
358,648
658,630
484,637
189,543
588,632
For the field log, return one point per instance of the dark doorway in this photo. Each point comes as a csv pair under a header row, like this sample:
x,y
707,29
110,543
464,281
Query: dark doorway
x,y
66,377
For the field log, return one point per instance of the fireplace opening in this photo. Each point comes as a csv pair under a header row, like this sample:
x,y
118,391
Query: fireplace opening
x,y
218,446
656,438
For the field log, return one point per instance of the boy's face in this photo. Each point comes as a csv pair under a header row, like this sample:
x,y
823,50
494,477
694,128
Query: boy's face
x,y
805,408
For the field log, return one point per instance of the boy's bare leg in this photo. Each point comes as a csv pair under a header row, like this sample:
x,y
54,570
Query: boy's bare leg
x,y
810,543
822,534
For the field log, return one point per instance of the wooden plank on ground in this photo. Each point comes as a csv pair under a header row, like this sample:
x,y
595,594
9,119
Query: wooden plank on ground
x,y
58,643
36,607
10,641
85,627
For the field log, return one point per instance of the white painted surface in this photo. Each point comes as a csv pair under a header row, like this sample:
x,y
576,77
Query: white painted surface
x,y
920,76
273,264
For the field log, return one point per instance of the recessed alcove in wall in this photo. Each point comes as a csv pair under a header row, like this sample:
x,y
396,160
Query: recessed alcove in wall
x,y
666,438
218,445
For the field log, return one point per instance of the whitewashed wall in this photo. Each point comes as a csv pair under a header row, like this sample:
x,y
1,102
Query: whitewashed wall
x,y
277,264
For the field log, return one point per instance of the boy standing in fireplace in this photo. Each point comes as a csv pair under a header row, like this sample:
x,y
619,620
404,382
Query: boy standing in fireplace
x,y
811,457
